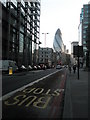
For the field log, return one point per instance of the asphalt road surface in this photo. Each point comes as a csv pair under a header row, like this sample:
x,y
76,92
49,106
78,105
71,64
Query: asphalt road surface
x,y
43,99
15,81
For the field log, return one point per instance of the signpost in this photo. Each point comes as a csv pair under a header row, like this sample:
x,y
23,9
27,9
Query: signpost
x,y
78,52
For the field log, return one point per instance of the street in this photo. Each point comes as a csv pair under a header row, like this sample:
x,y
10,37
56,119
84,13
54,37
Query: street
x,y
15,81
41,99
44,61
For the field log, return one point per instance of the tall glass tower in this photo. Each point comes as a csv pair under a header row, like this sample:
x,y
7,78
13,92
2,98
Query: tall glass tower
x,y
58,45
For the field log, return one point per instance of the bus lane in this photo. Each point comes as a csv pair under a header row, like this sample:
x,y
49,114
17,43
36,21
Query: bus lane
x,y
41,100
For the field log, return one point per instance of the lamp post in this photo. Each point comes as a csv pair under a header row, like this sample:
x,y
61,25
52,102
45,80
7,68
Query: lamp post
x,y
39,43
39,51
45,37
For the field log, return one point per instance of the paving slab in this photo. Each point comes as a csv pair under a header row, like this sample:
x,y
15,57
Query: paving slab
x,y
76,95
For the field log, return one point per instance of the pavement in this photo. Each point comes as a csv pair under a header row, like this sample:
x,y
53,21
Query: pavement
x,y
76,95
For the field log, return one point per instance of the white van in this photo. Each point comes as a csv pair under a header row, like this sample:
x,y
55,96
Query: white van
x,y
5,64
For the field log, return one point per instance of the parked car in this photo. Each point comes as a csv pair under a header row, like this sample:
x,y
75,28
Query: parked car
x,y
38,67
53,66
34,67
22,68
65,66
43,67
30,67
58,67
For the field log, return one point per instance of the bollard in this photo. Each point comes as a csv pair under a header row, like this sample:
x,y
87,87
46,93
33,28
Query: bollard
x,y
10,71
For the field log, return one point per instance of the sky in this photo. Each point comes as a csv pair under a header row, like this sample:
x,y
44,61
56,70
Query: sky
x,y
62,14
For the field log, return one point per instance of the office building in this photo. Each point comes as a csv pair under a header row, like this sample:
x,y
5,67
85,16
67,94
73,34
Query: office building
x,y
74,43
46,56
58,43
84,32
59,47
73,58
20,31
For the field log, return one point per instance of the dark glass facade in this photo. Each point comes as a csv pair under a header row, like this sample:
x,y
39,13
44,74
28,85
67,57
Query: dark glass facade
x,y
85,22
20,31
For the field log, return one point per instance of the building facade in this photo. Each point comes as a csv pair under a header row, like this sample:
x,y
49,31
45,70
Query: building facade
x,y
73,58
85,32
74,43
46,56
20,31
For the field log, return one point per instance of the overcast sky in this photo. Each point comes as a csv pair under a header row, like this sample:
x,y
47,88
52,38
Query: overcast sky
x,y
63,14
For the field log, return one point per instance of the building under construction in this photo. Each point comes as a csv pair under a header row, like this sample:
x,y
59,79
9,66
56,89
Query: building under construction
x,y
20,31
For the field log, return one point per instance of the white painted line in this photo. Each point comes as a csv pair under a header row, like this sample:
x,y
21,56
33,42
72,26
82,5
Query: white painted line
x,y
30,84
35,71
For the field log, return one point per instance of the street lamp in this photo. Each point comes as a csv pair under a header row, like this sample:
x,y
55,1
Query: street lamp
x,y
39,51
39,44
45,37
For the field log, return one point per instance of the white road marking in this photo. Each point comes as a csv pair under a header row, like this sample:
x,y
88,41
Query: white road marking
x,y
30,84
35,71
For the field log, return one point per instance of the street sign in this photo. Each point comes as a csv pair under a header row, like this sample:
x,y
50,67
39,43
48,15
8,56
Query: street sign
x,y
78,51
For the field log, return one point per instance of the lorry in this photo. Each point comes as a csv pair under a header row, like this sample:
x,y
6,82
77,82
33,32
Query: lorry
x,y
6,64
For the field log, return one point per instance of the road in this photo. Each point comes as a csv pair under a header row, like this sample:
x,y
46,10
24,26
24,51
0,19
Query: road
x,y
15,81
43,99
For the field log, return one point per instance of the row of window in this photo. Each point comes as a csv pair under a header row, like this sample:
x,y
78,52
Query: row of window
x,y
48,56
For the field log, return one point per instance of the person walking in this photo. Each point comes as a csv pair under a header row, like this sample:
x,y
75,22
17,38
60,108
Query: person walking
x,y
74,68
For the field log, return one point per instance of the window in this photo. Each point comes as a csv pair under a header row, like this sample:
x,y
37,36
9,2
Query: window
x,y
85,26
85,48
4,2
84,31
84,42
85,22
21,40
84,36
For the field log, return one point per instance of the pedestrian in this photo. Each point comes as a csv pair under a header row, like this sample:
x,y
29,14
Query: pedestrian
x,y
74,68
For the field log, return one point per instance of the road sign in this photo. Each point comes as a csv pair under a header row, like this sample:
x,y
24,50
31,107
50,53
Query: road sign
x,y
78,51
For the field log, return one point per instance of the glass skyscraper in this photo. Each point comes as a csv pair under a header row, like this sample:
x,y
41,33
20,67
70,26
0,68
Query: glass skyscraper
x,y
58,45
